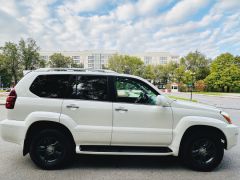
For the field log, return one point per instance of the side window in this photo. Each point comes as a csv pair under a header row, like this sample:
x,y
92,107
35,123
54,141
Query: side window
x,y
129,90
90,88
51,86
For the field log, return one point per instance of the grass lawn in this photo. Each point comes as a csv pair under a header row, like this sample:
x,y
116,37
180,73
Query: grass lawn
x,y
210,93
181,98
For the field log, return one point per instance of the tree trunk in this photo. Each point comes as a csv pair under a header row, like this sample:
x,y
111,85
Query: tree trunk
x,y
223,88
228,89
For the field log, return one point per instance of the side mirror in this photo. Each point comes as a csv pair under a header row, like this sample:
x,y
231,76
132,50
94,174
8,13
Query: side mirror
x,y
162,101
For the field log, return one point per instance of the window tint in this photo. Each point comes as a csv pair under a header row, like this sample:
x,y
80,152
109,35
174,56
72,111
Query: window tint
x,y
134,91
89,88
51,86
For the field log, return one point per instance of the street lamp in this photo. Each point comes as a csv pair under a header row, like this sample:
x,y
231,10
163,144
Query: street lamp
x,y
192,75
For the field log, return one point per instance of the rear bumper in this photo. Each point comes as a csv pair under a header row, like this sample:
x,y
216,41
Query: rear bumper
x,y
231,132
13,131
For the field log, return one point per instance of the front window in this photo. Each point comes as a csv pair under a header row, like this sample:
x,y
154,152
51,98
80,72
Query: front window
x,y
134,91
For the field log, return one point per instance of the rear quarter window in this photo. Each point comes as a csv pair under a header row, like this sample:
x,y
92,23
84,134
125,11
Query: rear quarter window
x,y
51,86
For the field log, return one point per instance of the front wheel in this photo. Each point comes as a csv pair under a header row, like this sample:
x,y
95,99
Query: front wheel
x,y
50,149
202,153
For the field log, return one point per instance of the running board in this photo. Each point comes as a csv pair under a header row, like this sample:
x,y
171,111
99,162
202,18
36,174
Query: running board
x,y
123,150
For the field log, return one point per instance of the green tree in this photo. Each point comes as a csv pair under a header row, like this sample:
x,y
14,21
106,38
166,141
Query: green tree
x,y
12,60
4,73
225,73
126,64
179,73
57,60
148,72
165,73
197,63
75,65
29,54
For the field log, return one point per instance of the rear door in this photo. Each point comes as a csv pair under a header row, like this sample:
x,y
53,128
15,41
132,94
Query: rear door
x,y
90,108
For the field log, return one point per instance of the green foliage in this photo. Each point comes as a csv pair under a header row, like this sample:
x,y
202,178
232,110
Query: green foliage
x,y
196,62
4,73
29,54
74,65
126,64
11,61
148,72
225,73
57,60
200,86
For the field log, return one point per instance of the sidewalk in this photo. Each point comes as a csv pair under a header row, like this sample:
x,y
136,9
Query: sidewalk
x,y
2,100
223,95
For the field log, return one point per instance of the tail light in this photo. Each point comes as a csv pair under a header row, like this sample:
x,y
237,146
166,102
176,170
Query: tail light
x,y
11,99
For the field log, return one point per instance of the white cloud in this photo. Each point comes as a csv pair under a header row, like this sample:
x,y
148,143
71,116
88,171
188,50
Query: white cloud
x,y
9,7
130,26
184,9
79,6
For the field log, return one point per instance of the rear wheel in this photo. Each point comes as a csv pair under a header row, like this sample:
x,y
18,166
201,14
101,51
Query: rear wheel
x,y
202,153
50,149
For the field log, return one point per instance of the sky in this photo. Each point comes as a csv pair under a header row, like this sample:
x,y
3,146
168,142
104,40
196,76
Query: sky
x,y
128,26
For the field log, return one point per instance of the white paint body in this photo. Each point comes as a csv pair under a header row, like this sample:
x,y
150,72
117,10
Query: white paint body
x,y
96,123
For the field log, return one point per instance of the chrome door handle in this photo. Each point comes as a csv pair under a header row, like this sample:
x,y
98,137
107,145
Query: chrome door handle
x,y
72,106
121,109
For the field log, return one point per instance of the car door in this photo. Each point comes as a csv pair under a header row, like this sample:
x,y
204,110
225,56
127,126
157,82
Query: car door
x,y
137,120
90,110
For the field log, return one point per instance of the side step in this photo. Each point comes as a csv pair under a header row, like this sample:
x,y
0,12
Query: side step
x,y
123,150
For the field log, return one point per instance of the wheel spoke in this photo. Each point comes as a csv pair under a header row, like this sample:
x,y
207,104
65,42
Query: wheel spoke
x,y
203,151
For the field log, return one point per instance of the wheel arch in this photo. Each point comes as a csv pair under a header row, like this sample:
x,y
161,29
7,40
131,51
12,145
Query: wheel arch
x,y
38,126
200,129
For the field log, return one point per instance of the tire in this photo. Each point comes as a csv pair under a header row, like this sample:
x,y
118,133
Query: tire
x,y
202,152
51,149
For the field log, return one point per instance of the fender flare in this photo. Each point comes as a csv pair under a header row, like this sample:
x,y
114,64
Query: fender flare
x,y
190,121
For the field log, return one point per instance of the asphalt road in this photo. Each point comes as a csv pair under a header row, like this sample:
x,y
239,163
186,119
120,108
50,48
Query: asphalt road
x,y
13,166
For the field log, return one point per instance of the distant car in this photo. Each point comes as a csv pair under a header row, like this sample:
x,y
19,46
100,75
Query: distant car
x,y
55,113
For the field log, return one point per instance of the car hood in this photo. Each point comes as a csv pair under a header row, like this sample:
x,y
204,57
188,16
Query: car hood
x,y
193,106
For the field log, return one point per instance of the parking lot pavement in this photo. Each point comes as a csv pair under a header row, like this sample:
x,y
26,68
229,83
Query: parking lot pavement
x,y
13,166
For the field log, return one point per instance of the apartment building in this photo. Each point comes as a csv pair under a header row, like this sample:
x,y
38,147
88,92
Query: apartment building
x,y
99,59
157,58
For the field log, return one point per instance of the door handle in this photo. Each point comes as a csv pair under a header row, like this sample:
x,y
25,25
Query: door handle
x,y
121,109
72,106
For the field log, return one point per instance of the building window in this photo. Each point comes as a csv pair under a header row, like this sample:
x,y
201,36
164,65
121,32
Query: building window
x,y
44,57
147,59
163,60
90,57
75,57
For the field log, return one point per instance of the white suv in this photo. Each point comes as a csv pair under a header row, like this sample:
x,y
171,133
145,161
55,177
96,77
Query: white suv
x,y
55,113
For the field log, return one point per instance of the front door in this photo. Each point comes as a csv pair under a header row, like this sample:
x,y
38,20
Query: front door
x,y
137,120
90,110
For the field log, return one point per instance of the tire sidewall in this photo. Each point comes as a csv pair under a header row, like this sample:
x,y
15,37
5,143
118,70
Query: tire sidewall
x,y
186,154
64,143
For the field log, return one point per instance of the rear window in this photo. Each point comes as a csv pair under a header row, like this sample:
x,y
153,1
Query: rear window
x,y
89,88
51,86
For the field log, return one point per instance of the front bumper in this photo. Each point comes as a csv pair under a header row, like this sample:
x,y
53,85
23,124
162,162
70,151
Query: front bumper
x,y
13,131
231,132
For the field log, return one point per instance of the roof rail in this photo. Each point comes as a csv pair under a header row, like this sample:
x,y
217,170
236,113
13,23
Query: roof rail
x,y
75,69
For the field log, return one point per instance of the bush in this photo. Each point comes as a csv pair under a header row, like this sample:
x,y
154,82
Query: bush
x,y
200,85
182,87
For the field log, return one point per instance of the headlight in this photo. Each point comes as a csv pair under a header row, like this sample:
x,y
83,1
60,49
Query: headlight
x,y
226,116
